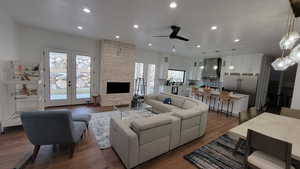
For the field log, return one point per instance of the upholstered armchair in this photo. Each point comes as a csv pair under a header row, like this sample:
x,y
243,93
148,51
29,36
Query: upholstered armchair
x,y
51,128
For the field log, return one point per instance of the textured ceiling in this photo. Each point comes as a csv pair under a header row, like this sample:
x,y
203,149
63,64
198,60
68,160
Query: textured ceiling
x,y
259,24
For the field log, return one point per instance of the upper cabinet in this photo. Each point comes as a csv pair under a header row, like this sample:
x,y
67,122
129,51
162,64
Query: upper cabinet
x,y
242,64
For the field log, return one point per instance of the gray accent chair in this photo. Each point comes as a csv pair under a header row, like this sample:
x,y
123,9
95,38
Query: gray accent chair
x,y
52,128
82,116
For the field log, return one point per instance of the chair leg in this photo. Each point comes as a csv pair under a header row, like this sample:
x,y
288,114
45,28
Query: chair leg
x,y
237,146
35,153
72,150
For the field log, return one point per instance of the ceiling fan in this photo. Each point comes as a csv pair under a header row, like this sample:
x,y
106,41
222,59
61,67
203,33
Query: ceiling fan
x,y
174,34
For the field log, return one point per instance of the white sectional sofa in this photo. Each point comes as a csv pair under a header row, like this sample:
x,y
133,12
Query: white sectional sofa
x,y
139,140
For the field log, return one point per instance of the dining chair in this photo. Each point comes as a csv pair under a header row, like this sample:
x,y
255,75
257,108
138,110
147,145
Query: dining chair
x,y
243,117
264,152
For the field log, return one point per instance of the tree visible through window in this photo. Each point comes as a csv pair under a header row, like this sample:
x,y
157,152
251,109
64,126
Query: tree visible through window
x,y
176,75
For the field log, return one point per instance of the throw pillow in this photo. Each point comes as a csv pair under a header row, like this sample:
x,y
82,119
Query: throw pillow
x,y
167,101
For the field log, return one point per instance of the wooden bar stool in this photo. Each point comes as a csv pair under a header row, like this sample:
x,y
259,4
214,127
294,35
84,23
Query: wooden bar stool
x,y
207,96
194,92
225,98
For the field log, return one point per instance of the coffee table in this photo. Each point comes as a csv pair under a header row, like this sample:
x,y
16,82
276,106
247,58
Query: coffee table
x,y
142,111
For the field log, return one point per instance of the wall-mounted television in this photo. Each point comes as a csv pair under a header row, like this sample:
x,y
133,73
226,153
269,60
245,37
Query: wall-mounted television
x,y
117,87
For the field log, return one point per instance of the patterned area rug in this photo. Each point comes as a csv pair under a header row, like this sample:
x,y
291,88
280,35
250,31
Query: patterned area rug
x,y
100,123
218,154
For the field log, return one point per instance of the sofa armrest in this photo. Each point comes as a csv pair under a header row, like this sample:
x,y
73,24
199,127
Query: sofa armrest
x,y
125,142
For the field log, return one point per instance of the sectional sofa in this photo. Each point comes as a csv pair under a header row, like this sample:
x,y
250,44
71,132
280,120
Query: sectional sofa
x,y
141,139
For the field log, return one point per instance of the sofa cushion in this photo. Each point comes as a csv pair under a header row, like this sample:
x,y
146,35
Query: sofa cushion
x,y
161,97
188,104
186,114
150,122
263,160
177,101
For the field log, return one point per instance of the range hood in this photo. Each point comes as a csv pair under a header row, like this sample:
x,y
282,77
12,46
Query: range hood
x,y
212,68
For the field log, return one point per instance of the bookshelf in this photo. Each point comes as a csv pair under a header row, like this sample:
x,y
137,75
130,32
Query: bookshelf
x,y
24,82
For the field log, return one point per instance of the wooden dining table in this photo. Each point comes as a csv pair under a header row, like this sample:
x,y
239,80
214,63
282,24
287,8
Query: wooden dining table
x,y
276,126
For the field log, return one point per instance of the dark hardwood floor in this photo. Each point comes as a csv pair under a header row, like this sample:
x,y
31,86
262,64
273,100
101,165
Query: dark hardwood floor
x,y
14,145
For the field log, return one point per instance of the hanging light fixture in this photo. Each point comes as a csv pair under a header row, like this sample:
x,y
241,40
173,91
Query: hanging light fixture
x,y
286,44
295,54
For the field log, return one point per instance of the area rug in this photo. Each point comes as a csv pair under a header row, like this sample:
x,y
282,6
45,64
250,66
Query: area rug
x,y
218,154
100,123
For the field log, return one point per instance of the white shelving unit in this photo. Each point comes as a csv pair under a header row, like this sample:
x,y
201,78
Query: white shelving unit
x,y
25,91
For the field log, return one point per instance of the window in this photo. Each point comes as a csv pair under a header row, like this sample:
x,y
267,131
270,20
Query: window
x,y
150,78
176,75
139,79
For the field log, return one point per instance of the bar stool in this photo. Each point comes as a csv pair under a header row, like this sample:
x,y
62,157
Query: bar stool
x,y
199,95
194,92
225,98
206,95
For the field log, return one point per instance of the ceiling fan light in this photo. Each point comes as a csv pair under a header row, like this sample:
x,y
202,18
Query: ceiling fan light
x,y
295,54
280,64
289,40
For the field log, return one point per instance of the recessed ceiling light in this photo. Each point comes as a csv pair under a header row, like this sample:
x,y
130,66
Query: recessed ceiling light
x,y
79,27
173,5
117,37
231,67
150,44
214,28
136,26
198,46
236,40
86,10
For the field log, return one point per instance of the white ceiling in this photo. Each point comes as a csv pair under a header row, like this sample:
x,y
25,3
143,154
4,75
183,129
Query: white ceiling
x,y
258,23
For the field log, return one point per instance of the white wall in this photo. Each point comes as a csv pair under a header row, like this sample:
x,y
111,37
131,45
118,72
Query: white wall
x,y
296,95
8,37
32,42
8,51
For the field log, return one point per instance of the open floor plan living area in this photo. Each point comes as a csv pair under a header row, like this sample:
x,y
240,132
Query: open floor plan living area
x,y
149,84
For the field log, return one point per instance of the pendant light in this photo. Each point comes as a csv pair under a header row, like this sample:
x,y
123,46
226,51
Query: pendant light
x,y
286,45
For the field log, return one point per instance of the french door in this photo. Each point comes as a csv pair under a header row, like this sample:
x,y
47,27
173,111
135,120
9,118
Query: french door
x,y
68,77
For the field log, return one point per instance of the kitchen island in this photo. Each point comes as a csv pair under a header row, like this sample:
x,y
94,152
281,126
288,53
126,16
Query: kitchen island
x,y
238,102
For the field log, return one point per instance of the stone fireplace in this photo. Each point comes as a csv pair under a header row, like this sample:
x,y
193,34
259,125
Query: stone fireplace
x,y
116,72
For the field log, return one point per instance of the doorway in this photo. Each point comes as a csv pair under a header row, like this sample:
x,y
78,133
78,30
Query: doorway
x,y
68,79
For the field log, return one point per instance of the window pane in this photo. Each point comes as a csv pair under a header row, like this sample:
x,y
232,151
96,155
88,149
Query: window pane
x,y
176,75
138,79
58,76
150,79
83,77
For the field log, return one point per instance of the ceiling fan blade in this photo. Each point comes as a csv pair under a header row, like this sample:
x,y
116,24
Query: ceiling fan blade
x,y
182,38
160,36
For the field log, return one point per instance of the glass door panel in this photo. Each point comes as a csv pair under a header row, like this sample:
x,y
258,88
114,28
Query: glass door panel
x,y
58,68
83,77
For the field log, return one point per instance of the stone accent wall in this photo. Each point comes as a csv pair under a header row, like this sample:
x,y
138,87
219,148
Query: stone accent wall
x,y
116,65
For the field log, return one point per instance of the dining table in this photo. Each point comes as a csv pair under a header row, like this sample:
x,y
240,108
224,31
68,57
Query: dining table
x,y
276,126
